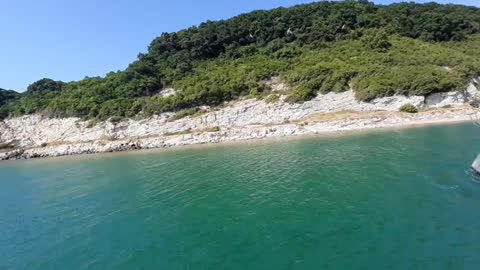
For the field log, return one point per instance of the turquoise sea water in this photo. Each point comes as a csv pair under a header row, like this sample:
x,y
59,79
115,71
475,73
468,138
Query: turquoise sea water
x,y
386,200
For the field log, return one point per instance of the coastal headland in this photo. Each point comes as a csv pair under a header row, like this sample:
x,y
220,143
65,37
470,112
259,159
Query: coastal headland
x,y
34,136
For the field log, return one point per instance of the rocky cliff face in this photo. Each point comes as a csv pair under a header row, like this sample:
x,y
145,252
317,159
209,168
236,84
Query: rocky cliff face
x,y
236,120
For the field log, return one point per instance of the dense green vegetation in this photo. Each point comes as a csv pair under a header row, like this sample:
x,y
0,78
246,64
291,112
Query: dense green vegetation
x,y
6,97
408,108
407,48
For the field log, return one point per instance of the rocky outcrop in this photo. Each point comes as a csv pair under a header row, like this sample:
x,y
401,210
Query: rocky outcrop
x,y
33,130
237,120
437,100
16,154
315,124
166,92
276,84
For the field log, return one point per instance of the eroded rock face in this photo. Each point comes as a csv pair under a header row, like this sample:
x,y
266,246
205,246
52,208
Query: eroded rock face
x,y
395,102
34,131
167,92
473,88
366,120
437,100
12,155
276,84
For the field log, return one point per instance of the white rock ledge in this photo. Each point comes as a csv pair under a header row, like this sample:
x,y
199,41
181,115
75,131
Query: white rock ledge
x,y
239,120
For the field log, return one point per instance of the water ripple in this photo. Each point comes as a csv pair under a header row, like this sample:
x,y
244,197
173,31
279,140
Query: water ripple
x,y
303,204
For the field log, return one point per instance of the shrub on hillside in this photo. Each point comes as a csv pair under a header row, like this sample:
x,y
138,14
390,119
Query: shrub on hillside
x,y
184,113
377,40
301,94
409,108
272,98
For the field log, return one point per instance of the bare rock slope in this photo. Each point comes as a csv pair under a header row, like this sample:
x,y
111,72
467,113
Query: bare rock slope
x,y
35,136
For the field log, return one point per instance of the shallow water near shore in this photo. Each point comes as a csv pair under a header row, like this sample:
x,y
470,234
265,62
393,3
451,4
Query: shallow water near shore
x,y
398,199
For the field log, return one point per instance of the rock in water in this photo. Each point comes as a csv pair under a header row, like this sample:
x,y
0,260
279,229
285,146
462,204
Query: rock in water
x,y
476,164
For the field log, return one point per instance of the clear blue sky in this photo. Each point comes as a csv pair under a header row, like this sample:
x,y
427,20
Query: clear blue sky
x,y
68,40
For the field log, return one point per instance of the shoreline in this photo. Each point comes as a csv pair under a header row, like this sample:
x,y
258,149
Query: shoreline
x,y
349,124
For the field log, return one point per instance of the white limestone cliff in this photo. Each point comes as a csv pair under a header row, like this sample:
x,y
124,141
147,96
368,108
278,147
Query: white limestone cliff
x,y
238,120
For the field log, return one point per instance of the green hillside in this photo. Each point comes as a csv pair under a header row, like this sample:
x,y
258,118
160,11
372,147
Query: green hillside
x,y
407,48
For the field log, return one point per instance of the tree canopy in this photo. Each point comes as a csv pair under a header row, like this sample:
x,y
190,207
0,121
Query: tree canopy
x,y
7,95
44,86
